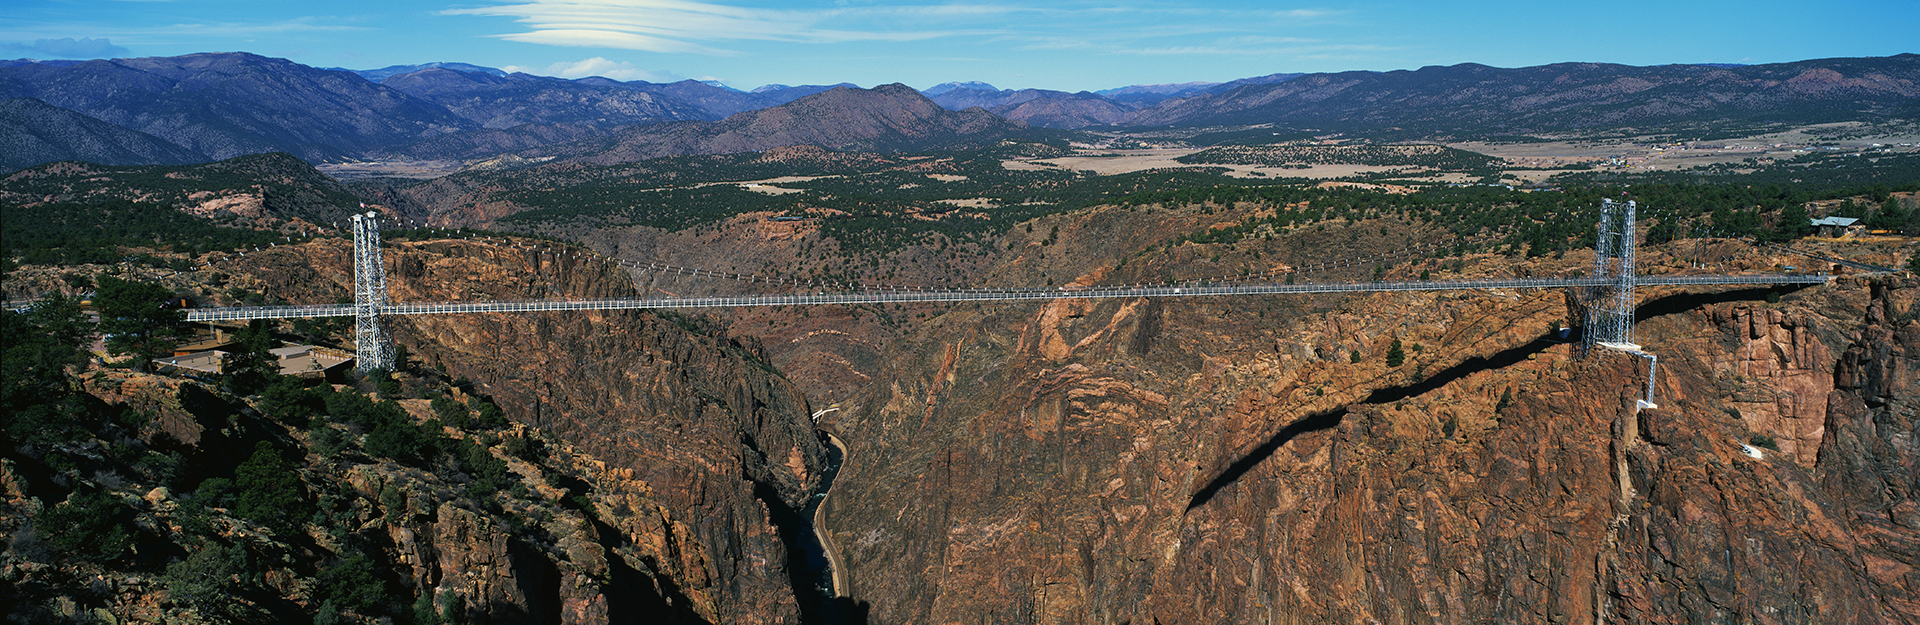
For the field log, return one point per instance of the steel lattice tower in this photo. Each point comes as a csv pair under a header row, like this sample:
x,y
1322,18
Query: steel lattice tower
x,y
372,350
1610,313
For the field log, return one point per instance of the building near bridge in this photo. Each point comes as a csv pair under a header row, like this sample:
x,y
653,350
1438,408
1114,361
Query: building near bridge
x,y
307,362
1838,226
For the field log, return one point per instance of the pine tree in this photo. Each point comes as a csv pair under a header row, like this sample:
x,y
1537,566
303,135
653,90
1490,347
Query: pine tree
x,y
136,318
271,492
1793,223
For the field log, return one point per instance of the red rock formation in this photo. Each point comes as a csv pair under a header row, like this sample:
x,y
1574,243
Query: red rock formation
x,y
1781,352
1188,461
695,442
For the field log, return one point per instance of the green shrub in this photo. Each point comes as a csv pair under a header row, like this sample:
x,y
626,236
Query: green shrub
x,y
327,441
136,320
253,367
487,414
270,491
288,400
423,612
39,398
329,614
90,525
526,448
383,381
349,583
205,580
162,469
488,471
215,492
393,504
391,432
452,412
402,442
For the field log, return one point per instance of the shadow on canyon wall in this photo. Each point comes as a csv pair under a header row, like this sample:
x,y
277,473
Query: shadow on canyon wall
x,y
1326,420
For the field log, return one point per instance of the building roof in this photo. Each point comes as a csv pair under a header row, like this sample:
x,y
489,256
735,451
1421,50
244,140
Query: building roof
x,y
293,359
1835,221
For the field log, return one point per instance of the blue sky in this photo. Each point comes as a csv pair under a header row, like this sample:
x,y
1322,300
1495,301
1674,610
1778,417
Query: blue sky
x,y
1029,43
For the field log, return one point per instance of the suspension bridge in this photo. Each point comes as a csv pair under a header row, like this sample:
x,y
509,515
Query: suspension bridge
x,y
1609,288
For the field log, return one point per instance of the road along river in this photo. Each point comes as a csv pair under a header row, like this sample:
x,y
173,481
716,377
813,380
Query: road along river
x,y
841,587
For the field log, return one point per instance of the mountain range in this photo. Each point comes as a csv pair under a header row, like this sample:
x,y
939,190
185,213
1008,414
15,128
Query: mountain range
x,y
34,132
218,105
1472,99
887,118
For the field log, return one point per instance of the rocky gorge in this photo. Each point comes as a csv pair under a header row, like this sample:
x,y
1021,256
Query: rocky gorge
x,y
706,438
1264,459
1189,462
672,490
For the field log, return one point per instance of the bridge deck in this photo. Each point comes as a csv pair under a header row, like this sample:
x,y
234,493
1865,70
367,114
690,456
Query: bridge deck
x,y
966,295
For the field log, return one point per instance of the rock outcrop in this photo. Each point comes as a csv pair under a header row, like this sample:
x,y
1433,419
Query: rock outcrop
x,y
694,450
1196,461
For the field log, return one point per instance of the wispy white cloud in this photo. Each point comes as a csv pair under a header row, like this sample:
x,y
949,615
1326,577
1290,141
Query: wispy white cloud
x,y
694,26
688,26
1275,48
187,32
66,48
597,66
243,29
1304,14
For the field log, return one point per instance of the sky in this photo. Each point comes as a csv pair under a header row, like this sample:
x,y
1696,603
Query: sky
x,y
1069,46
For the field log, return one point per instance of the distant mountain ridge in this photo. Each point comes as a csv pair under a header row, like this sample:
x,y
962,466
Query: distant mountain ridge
x,y
882,119
509,100
1058,109
382,74
227,104
1477,100
950,87
1133,93
34,132
782,94
219,105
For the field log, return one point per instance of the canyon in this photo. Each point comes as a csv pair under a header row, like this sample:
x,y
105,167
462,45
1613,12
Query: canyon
x,y
1254,459
1258,461
1448,456
1195,460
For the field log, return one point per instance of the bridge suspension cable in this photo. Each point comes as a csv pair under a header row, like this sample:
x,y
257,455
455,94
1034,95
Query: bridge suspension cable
x,y
1613,275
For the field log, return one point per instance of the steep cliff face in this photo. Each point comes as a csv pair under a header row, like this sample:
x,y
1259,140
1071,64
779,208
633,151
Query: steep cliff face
x,y
705,449
1871,454
1210,461
1786,370
1201,460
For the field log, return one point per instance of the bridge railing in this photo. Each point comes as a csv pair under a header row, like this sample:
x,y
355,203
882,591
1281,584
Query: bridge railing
x,y
968,295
